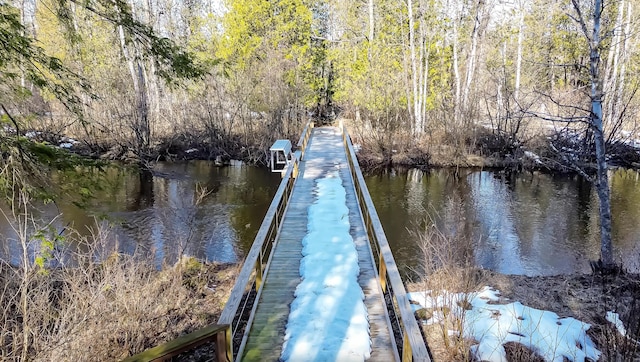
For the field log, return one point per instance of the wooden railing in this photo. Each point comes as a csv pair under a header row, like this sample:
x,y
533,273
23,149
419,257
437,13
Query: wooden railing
x,y
235,320
304,138
410,345
241,306
212,333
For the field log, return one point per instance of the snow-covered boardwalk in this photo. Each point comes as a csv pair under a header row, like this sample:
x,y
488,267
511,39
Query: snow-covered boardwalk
x,y
304,316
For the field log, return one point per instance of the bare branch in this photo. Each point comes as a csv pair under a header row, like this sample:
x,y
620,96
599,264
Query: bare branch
x,y
571,165
551,118
13,120
562,105
580,20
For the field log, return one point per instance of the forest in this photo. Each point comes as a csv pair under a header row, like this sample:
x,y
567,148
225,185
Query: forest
x,y
423,82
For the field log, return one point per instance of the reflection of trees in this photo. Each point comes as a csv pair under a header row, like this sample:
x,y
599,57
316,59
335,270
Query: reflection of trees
x,y
119,186
410,203
498,246
460,216
549,231
546,223
549,217
625,208
416,191
143,198
251,197
162,216
204,215
160,212
388,192
178,218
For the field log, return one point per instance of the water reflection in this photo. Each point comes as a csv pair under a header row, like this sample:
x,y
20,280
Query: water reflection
x,y
534,224
193,208
527,223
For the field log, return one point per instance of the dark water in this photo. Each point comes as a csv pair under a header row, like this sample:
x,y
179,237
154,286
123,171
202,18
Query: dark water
x,y
194,208
533,224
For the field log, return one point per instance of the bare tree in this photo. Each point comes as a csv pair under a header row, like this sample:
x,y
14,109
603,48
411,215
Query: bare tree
x,y
591,29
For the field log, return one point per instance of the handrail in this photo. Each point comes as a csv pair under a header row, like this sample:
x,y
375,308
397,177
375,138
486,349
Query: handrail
x,y
230,332
246,292
181,344
413,347
304,138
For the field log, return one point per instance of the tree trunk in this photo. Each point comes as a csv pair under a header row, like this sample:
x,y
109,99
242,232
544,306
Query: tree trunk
x,y
473,54
457,114
143,129
596,124
371,22
140,121
417,119
611,70
424,80
516,92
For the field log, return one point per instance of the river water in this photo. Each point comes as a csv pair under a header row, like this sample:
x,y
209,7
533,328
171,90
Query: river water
x,y
527,223
192,208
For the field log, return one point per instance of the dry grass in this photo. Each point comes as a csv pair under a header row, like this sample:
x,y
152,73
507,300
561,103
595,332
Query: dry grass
x,y
436,147
584,297
105,311
446,264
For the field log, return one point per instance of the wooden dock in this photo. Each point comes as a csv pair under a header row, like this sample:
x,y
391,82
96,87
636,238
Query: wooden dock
x,y
324,153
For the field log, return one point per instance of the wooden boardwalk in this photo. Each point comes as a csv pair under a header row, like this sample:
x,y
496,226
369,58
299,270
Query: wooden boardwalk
x,y
252,324
324,152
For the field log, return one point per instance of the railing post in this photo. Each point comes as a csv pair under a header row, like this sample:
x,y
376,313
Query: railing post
x,y
259,272
224,346
407,353
383,274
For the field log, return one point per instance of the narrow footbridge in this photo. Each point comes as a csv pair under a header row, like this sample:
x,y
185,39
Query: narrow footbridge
x,y
259,319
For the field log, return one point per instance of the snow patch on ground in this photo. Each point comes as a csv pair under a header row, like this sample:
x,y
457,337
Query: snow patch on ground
x,y
533,156
492,325
328,319
614,318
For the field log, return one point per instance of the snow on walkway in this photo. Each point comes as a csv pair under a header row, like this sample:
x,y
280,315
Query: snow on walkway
x,y
328,319
492,325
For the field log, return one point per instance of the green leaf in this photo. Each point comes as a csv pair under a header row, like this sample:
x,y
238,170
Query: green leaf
x,y
39,261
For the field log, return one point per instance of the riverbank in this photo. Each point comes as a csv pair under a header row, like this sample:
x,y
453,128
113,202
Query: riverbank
x,y
584,297
541,148
482,147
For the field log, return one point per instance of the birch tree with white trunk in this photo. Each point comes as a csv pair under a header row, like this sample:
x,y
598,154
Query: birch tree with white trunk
x,y
591,28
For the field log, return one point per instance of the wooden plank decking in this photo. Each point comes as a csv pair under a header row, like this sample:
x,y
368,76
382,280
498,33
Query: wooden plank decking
x,y
324,152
